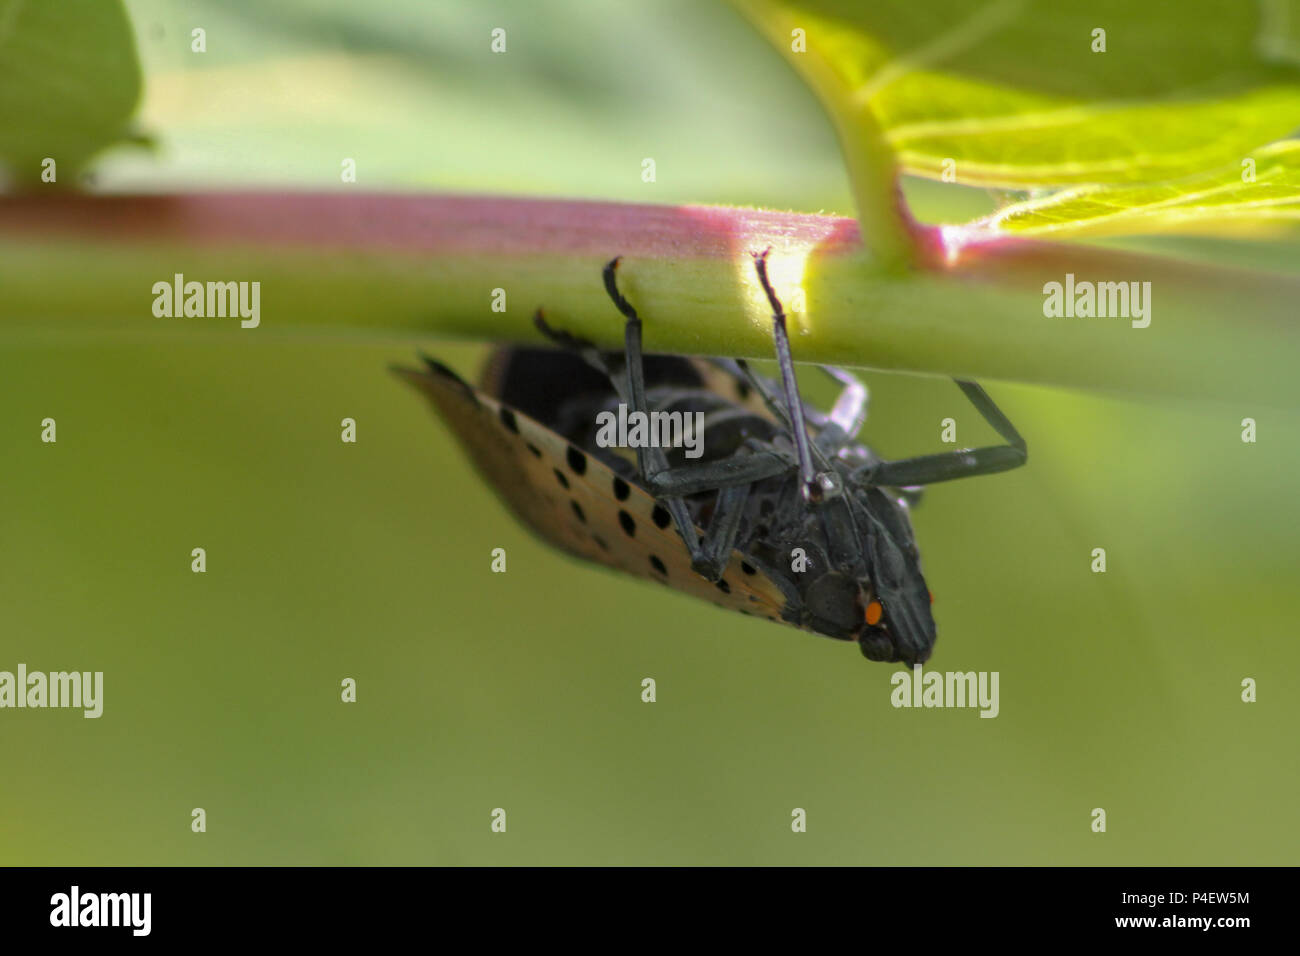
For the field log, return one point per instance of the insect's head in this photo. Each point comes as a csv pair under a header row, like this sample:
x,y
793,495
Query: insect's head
x,y
882,601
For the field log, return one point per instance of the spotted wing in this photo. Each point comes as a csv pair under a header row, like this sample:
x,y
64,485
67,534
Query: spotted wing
x,y
576,502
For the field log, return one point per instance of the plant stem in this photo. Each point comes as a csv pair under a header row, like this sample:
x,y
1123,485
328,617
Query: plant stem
x,y
419,264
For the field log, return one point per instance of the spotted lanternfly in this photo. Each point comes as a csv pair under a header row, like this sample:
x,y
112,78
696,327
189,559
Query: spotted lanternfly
x,y
784,515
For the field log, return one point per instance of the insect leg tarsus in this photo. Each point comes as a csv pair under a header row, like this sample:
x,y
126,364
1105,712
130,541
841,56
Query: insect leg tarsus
x,y
611,286
946,466
563,339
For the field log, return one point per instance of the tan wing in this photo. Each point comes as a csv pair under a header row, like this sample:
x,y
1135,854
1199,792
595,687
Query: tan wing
x,y
576,502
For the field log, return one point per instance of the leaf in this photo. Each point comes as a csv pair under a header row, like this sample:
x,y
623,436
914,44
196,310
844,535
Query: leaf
x,y
1221,202
69,82
1149,134
1013,94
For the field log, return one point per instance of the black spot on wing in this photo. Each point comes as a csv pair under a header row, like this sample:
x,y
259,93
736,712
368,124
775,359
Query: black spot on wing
x,y
658,565
577,461
577,512
629,526
621,489
559,476
508,420
660,516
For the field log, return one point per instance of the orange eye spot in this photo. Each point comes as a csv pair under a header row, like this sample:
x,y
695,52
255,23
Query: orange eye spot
x,y
931,593
875,611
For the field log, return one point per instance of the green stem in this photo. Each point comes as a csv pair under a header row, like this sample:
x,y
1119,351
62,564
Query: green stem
x,y
891,239
74,266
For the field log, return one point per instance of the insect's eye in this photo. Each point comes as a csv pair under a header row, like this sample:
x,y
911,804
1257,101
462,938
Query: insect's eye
x,y
875,611
931,593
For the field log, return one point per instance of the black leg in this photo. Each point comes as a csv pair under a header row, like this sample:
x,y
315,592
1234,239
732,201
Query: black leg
x,y
720,538
730,477
928,469
723,473
812,490
663,479
650,461
830,437
825,491
620,383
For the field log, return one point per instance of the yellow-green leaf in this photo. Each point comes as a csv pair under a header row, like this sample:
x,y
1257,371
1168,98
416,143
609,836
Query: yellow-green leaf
x,y
1034,93
1258,198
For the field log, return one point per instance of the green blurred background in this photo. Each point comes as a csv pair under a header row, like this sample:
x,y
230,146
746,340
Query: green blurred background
x,y
522,691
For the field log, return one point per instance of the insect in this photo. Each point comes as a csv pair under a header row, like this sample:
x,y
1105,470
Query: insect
x,y
784,514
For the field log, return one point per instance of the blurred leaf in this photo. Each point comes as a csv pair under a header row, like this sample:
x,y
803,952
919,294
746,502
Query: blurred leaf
x,y
69,82
586,90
